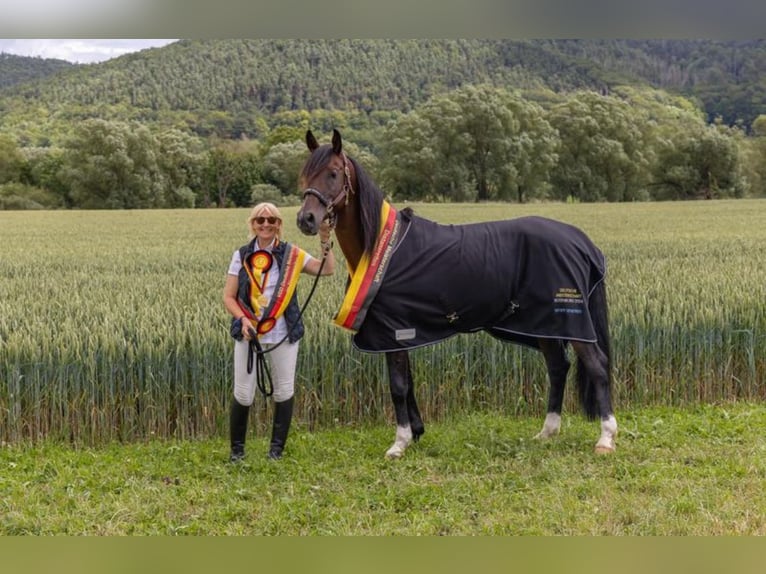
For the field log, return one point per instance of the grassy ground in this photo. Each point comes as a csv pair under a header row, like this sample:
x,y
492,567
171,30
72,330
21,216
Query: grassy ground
x,y
692,471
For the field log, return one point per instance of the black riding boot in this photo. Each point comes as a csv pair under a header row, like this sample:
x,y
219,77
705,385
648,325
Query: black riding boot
x,y
283,414
238,430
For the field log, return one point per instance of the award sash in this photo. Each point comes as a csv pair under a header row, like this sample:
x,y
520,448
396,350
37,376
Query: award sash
x,y
258,265
368,275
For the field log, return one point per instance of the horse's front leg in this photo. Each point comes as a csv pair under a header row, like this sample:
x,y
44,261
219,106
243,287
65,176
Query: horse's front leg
x,y
399,380
416,422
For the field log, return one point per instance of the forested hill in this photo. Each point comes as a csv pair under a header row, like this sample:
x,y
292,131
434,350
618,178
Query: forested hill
x,y
246,77
728,78
19,69
276,75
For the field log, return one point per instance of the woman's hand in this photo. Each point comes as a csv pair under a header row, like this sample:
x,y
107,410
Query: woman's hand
x,y
247,326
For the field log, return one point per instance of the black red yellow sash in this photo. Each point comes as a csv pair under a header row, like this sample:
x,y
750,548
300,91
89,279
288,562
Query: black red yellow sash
x,y
258,265
368,275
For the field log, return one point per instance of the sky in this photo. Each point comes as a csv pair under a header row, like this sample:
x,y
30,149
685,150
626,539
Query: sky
x,y
710,19
79,50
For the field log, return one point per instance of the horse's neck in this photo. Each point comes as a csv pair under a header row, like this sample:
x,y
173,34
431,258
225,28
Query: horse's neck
x,y
348,232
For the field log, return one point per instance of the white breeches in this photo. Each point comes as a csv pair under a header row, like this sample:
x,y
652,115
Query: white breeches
x,y
281,361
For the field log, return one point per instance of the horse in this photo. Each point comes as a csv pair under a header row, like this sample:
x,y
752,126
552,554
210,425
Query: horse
x,y
531,281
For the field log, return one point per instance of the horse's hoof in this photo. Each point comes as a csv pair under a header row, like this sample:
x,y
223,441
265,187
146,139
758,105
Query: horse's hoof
x,y
604,449
394,453
551,427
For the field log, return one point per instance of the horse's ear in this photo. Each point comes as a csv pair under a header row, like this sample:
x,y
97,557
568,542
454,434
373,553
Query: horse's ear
x,y
311,141
337,144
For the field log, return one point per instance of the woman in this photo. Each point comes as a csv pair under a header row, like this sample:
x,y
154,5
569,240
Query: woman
x,y
260,296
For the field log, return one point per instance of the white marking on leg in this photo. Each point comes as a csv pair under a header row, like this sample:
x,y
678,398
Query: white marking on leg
x,y
551,426
403,440
605,442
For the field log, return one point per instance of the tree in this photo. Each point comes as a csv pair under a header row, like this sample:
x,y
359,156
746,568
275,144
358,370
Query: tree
x,y
11,160
282,165
181,160
759,126
534,150
42,171
702,163
218,175
249,173
478,142
410,167
233,167
19,196
602,154
487,122
112,165
754,157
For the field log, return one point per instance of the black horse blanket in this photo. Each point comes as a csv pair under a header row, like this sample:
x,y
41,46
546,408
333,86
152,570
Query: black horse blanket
x,y
519,280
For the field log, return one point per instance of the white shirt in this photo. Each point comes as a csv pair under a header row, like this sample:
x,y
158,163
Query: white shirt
x,y
280,329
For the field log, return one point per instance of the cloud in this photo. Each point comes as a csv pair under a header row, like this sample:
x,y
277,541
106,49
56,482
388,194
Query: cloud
x,y
78,50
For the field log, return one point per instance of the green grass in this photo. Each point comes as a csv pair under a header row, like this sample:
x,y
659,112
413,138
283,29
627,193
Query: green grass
x,y
677,471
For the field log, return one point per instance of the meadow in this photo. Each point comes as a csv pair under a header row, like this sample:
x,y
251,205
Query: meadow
x,y
112,326
688,471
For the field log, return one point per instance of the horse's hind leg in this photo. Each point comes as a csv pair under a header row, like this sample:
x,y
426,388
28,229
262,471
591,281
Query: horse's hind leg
x,y
596,391
399,380
554,351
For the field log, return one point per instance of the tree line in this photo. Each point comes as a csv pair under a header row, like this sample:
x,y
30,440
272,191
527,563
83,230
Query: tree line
x,y
474,143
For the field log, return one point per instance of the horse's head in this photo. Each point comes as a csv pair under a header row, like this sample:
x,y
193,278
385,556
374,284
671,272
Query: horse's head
x,y
328,183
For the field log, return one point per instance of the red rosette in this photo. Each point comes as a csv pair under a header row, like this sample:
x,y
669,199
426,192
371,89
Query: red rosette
x,y
266,325
261,261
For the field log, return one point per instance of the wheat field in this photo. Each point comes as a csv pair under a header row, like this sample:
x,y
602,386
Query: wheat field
x,y
112,325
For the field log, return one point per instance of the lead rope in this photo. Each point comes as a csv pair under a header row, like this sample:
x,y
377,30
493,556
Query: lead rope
x,y
256,353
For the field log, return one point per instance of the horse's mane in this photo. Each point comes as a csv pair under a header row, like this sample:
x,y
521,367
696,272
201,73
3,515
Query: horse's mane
x,y
370,199
368,194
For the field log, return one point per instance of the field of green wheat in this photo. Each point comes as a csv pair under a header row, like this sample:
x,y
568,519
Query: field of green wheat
x,y
112,325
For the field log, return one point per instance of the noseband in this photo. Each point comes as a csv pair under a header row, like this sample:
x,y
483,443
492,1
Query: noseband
x,y
344,194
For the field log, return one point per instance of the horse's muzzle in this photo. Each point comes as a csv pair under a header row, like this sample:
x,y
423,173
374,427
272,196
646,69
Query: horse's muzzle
x,y
307,222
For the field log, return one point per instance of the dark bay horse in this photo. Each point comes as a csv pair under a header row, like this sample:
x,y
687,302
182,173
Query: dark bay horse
x,y
412,282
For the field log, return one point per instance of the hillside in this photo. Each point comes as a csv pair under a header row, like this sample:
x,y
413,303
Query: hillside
x,y
274,75
21,69
190,81
728,78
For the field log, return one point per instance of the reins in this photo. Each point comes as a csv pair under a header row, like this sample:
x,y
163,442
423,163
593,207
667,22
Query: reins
x,y
255,350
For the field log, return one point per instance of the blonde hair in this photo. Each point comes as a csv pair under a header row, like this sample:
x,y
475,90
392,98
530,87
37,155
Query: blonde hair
x,y
264,208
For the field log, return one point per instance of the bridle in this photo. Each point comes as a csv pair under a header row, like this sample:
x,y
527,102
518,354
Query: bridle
x,y
344,195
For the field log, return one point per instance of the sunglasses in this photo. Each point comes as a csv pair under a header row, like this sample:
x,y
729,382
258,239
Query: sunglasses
x,y
259,220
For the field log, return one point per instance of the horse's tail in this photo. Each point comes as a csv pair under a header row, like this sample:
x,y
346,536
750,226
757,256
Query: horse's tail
x,y
599,313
